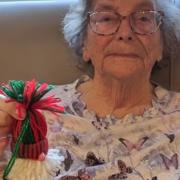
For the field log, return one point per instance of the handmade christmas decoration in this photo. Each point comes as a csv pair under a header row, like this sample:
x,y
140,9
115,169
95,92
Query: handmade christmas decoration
x,y
29,144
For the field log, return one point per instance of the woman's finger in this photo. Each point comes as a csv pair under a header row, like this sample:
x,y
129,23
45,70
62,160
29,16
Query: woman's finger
x,y
5,130
5,119
14,109
3,144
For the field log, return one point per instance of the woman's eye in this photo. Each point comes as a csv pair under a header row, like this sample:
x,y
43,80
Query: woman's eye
x,y
144,19
105,19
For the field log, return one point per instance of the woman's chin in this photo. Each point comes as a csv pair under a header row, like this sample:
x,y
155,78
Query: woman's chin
x,y
124,75
124,70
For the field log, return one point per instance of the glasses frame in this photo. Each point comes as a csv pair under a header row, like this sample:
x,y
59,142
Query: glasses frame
x,y
160,13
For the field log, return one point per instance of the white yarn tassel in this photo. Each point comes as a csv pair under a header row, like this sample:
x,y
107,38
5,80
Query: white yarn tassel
x,y
26,169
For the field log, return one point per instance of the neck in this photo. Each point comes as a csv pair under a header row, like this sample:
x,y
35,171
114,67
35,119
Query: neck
x,y
106,95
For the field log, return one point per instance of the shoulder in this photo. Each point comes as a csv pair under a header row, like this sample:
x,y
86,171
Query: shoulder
x,y
170,100
61,91
70,96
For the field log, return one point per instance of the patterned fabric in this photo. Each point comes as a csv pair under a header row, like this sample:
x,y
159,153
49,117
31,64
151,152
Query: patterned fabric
x,y
134,147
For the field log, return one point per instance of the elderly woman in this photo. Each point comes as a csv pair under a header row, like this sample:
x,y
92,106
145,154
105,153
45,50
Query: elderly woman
x,y
118,125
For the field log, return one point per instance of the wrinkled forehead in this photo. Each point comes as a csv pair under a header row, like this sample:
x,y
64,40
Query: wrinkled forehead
x,y
123,5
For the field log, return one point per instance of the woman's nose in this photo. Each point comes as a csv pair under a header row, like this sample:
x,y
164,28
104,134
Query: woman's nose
x,y
124,31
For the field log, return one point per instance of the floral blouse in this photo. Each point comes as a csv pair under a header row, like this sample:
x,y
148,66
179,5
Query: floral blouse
x,y
134,147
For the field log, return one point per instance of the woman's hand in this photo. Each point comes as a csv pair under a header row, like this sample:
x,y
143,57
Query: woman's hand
x,y
8,113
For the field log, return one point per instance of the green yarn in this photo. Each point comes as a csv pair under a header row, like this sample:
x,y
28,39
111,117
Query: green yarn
x,y
16,149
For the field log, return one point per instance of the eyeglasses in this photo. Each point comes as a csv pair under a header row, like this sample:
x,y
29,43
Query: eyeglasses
x,y
141,22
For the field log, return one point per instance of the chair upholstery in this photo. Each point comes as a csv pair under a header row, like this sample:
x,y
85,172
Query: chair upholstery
x,y
32,46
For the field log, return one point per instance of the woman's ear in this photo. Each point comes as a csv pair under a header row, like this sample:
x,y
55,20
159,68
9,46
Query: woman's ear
x,y
159,58
86,56
160,50
85,51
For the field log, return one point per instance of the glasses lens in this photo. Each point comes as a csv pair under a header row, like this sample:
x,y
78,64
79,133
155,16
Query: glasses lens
x,y
145,22
104,23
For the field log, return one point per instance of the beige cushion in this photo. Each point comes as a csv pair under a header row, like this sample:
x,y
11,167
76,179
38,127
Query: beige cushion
x,y
32,44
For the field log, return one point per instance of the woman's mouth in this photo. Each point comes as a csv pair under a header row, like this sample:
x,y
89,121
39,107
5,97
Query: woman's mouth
x,y
124,55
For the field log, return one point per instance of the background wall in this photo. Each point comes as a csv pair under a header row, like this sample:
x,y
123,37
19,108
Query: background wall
x,y
32,44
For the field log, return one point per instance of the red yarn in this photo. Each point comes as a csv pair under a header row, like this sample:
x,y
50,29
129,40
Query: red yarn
x,y
31,101
32,151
